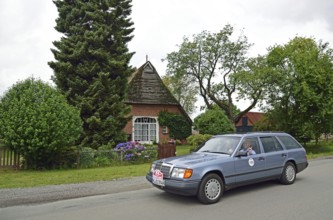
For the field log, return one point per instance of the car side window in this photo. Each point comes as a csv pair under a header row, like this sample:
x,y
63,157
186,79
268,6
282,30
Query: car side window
x,y
289,142
270,144
253,143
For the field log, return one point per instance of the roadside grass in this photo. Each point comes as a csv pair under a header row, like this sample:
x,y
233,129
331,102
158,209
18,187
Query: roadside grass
x,y
32,178
28,178
322,149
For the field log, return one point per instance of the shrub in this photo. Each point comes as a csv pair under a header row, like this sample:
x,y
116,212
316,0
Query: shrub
x,y
213,121
134,152
123,153
179,126
87,157
103,156
196,139
106,156
67,158
37,122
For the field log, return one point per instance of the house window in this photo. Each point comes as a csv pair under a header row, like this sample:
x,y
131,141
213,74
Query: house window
x,y
165,130
145,129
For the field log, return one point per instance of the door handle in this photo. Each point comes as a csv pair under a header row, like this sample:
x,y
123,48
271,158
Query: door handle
x,y
261,158
284,155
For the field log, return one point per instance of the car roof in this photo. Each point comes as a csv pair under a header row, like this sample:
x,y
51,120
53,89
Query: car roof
x,y
251,134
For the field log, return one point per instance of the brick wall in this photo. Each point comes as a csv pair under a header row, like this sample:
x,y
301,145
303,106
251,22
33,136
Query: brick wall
x,y
150,111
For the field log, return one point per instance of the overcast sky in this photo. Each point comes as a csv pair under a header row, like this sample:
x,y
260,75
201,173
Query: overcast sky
x,y
27,29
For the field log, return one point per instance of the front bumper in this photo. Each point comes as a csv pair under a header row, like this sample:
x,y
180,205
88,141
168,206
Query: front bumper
x,y
181,187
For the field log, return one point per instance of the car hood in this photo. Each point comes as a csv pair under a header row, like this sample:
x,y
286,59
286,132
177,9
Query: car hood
x,y
193,159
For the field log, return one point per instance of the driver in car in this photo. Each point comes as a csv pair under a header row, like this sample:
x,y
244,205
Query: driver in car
x,y
247,147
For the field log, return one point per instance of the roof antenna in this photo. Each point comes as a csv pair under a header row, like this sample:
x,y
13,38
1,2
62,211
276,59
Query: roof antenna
x,y
146,57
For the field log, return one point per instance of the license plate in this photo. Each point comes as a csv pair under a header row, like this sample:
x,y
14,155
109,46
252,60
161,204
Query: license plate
x,y
158,178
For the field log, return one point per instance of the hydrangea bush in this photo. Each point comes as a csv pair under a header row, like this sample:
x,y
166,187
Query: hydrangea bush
x,y
123,153
135,152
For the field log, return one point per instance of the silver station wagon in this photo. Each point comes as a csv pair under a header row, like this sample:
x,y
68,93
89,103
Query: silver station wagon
x,y
227,161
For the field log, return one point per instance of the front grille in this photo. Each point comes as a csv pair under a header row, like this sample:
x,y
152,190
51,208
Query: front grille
x,y
164,168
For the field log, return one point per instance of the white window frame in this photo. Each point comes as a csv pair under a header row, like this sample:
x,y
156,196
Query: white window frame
x,y
147,129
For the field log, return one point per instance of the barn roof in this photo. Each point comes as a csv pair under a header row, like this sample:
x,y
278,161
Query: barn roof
x,y
252,117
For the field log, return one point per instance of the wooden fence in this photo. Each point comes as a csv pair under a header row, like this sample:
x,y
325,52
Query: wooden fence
x,y
166,150
9,159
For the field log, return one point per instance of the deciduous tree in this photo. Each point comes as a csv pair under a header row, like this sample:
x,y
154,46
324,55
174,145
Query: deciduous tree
x,y
183,90
216,63
300,98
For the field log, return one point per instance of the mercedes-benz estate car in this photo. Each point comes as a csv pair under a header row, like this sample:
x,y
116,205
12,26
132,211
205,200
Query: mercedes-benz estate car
x,y
227,161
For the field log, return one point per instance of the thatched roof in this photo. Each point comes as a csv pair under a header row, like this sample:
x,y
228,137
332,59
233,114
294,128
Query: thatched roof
x,y
146,87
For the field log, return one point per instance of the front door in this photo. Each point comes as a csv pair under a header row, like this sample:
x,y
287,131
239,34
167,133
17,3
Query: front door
x,y
250,167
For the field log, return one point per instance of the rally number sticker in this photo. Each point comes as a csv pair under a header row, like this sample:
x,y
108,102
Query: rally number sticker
x,y
158,178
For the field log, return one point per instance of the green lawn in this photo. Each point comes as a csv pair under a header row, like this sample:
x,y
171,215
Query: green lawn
x,y
28,178
183,149
321,149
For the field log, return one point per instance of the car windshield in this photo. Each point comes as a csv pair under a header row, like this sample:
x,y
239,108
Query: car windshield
x,y
221,145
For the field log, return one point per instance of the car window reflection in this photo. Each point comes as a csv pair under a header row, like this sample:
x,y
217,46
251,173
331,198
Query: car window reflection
x,y
220,145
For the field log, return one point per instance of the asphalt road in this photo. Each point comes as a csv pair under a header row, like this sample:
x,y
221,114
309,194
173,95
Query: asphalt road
x,y
37,195
310,197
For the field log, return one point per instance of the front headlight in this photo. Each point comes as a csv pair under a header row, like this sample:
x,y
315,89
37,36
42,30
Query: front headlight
x,y
181,173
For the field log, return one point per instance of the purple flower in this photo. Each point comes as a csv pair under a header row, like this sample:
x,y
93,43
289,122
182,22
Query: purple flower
x,y
128,156
132,150
141,148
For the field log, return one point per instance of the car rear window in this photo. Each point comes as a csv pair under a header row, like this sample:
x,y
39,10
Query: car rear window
x,y
289,142
270,144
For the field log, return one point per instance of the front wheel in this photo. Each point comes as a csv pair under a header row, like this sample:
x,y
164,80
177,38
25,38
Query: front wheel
x,y
289,174
211,189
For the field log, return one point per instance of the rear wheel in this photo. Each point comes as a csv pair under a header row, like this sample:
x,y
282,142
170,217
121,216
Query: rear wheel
x,y
289,174
211,189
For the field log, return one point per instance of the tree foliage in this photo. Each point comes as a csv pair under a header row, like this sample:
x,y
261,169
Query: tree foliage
x,y
92,65
195,140
183,90
213,121
216,63
300,98
37,122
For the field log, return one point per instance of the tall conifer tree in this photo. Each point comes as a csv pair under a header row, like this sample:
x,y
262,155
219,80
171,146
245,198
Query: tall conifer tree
x,y
91,64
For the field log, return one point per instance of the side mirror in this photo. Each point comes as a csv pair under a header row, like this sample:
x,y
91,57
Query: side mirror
x,y
241,154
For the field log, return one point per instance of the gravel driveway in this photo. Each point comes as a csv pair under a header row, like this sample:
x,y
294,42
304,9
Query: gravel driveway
x,y
25,196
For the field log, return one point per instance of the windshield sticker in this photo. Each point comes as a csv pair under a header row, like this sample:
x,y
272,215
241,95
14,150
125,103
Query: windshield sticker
x,y
251,162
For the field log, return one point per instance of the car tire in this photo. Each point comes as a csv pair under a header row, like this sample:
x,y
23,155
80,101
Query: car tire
x,y
289,174
211,189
